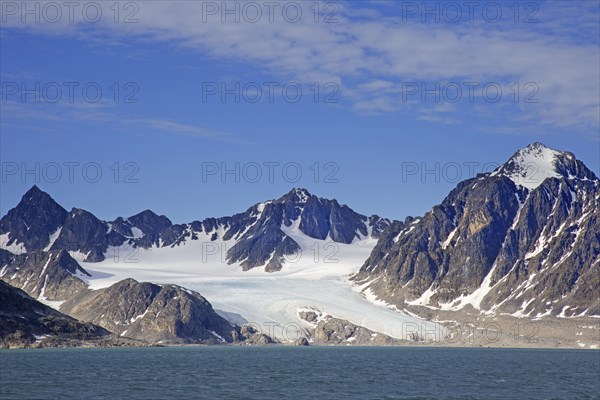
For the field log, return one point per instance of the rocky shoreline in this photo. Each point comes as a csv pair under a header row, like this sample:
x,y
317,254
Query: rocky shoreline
x,y
27,323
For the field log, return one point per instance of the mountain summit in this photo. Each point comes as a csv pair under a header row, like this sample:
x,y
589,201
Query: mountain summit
x,y
530,166
296,195
32,222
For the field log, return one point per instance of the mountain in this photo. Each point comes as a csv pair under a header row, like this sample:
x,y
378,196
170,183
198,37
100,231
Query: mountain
x,y
39,223
84,233
254,238
530,166
266,236
154,313
519,242
29,226
25,322
51,277
262,241
140,311
523,240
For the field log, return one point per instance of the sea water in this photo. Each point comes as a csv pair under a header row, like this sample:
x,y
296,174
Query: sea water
x,y
279,372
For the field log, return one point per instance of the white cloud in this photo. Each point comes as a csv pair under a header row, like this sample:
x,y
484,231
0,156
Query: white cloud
x,y
370,56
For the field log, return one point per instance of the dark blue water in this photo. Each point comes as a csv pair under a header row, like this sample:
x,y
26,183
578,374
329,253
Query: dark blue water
x,y
298,373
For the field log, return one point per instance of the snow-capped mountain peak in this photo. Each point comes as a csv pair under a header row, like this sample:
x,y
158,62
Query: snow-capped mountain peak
x,y
296,195
29,226
532,165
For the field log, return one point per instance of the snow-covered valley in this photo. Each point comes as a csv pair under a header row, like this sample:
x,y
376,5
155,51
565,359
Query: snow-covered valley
x,y
316,277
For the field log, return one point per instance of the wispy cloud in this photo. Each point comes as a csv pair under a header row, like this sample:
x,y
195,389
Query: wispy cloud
x,y
172,127
47,117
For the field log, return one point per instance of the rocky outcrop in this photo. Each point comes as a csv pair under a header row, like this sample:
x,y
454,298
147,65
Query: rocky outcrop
x,y
248,335
301,342
154,313
46,276
25,322
264,243
339,331
326,329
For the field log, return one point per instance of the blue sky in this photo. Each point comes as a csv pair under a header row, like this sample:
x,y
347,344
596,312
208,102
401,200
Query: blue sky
x,y
172,131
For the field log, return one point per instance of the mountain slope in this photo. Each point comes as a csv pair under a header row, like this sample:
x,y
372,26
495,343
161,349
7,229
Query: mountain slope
x,y
51,277
522,240
25,322
142,310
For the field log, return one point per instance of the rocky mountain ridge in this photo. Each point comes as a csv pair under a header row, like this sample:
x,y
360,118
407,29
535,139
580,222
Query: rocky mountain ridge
x,y
254,237
523,240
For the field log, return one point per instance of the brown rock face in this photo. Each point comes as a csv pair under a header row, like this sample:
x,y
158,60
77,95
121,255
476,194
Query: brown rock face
x,y
142,310
25,322
52,275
